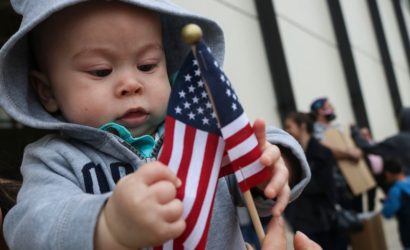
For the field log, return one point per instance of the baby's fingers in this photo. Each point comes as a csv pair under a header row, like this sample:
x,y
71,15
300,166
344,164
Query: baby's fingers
x,y
280,175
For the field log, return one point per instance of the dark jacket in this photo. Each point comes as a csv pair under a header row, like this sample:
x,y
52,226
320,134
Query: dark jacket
x,y
397,146
310,213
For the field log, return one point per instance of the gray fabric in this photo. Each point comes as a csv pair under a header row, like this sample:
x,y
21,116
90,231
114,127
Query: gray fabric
x,y
69,176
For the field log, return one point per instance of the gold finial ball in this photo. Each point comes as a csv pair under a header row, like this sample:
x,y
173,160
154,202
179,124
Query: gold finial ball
x,y
191,33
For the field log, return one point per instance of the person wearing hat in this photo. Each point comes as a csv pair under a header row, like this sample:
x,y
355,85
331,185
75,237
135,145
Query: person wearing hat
x,y
75,67
324,115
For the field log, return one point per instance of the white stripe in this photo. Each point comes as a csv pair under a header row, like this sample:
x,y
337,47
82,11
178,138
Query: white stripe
x,y
194,171
177,146
242,148
198,230
169,245
249,170
235,126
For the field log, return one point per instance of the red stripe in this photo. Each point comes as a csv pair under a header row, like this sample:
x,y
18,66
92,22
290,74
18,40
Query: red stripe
x,y
226,170
186,159
168,140
254,180
247,158
241,135
206,170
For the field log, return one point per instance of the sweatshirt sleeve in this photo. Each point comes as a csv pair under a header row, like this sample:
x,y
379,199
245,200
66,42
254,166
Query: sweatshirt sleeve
x,y
52,211
291,149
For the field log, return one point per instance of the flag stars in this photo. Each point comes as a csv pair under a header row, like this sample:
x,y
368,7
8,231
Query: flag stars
x,y
208,105
200,83
195,99
197,72
188,77
187,105
178,110
234,107
203,94
216,64
234,97
195,62
191,116
200,110
228,92
222,78
181,94
205,121
191,89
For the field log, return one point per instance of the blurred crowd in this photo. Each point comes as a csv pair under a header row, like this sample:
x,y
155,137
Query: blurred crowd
x,y
317,211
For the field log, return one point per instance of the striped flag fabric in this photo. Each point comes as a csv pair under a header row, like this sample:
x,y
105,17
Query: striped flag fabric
x,y
241,144
193,149
207,135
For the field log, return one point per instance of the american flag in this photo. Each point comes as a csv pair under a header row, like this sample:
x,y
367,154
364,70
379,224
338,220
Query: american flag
x,y
240,142
197,128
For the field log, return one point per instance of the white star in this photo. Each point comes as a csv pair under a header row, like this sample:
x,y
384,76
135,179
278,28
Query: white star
x,y
234,107
228,82
194,62
203,94
187,105
191,116
205,121
222,78
234,96
181,94
197,72
216,64
208,105
178,110
195,99
213,115
200,110
228,92
191,88
200,83
188,78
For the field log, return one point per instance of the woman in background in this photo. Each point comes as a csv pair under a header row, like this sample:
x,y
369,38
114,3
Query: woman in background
x,y
311,213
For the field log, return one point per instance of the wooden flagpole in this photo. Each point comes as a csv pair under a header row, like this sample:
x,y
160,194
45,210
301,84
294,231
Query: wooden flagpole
x,y
192,34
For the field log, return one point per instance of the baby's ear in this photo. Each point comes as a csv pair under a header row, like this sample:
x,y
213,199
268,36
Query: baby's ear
x,y
44,92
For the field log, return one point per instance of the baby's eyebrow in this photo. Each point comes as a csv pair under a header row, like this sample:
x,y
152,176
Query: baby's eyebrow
x,y
149,47
91,51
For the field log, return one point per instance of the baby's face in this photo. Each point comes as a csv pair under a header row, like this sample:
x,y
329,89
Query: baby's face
x,y
105,62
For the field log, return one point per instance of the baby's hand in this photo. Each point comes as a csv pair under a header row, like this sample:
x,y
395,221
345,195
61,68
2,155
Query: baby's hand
x,y
271,157
143,210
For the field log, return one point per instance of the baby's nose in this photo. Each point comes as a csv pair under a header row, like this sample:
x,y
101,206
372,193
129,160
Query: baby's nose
x,y
128,87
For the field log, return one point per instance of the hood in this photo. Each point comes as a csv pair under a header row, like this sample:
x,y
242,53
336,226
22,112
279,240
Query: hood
x,y
404,120
18,98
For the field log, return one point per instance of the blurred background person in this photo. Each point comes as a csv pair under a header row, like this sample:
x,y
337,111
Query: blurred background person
x,y
396,146
311,212
324,117
397,202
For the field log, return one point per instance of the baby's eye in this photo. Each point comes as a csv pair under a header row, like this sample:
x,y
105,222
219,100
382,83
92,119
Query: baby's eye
x,y
100,72
146,67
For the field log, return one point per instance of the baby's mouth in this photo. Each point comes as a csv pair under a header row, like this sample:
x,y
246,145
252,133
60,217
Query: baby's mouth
x,y
133,117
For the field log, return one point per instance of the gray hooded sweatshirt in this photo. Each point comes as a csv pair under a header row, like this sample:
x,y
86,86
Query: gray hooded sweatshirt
x,y
70,175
